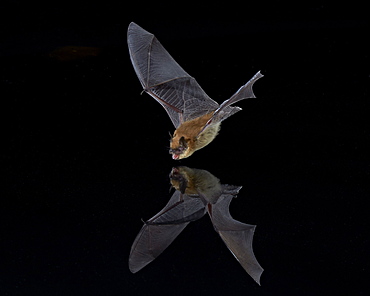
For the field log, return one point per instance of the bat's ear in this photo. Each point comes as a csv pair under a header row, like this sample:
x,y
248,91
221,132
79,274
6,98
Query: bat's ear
x,y
183,142
183,185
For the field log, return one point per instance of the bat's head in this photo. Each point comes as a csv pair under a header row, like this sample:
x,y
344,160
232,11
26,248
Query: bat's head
x,y
180,147
195,181
179,179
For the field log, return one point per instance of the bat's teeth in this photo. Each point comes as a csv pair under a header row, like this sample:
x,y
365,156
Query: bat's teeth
x,y
175,156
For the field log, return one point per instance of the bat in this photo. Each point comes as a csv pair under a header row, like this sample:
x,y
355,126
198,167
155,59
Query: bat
x,y
197,192
194,114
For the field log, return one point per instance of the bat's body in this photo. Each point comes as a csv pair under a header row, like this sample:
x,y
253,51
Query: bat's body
x,y
195,115
195,182
197,192
190,136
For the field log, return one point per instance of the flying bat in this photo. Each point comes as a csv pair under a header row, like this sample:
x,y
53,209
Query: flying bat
x,y
194,114
197,192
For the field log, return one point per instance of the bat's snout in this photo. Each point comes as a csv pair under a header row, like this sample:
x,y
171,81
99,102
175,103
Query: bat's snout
x,y
178,150
176,153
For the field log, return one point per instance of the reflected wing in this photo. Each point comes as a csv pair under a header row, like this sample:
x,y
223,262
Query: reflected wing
x,y
161,230
237,236
163,78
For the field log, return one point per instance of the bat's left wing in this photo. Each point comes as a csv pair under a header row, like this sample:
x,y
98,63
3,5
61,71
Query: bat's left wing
x,y
237,236
160,231
163,78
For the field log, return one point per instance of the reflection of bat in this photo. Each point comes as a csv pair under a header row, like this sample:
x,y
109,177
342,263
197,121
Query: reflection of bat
x,y
195,115
160,231
197,192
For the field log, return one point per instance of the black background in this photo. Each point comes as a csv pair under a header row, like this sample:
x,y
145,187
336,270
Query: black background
x,y
85,157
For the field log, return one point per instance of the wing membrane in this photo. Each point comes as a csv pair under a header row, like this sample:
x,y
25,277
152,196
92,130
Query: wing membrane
x,y
237,236
162,229
164,79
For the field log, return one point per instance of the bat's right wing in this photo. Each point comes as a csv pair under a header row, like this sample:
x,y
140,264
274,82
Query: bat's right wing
x,y
237,236
225,110
163,78
161,230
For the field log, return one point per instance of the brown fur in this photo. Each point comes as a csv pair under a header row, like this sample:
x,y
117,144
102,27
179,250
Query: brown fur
x,y
190,131
197,181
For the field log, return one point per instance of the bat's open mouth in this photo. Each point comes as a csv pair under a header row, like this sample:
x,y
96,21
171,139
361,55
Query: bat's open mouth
x,y
176,153
180,149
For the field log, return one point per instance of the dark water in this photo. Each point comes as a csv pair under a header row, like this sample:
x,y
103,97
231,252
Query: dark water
x,y
85,157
